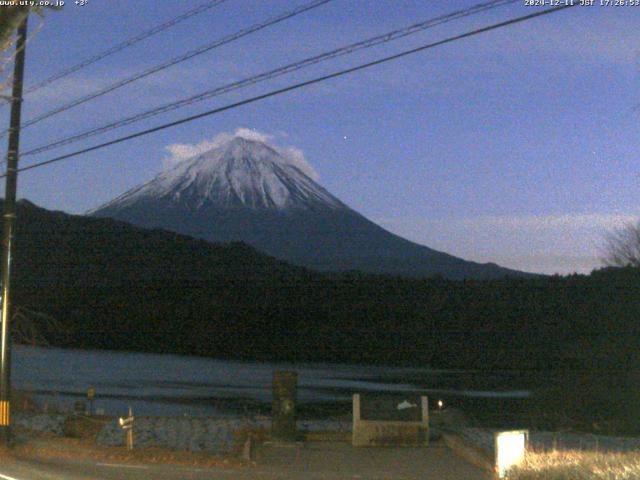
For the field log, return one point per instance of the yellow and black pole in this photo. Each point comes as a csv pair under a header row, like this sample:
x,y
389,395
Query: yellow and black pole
x,y
9,218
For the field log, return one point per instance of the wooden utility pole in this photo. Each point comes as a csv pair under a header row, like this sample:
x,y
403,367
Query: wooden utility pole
x,y
9,218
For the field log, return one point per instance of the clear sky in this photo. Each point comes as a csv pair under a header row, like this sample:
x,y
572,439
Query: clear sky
x,y
518,146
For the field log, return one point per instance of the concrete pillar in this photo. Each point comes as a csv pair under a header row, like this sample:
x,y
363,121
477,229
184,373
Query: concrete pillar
x,y
283,419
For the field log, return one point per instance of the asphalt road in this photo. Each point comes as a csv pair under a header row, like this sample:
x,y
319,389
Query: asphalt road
x,y
30,470
321,461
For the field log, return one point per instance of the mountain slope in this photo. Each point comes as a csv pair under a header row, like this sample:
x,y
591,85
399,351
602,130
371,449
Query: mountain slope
x,y
241,173
112,285
246,190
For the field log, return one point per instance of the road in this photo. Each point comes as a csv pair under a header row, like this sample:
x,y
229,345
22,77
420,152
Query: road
x,y
318,461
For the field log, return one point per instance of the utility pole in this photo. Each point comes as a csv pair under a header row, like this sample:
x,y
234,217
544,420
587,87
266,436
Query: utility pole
x,y
9,219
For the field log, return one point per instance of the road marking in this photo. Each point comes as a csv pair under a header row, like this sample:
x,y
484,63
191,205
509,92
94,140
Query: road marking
x,y
4,412
7,477
119,465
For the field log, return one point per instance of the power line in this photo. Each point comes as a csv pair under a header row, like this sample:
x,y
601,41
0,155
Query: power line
x,y
127,43
297,86
190,54
371,42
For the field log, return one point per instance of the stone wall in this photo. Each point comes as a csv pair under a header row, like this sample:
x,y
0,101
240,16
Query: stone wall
x,y
196,434
193,434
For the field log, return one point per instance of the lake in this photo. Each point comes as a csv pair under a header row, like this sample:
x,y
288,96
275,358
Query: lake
x,y
180,385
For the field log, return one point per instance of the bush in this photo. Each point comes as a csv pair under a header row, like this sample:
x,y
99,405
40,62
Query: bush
x,y
577,465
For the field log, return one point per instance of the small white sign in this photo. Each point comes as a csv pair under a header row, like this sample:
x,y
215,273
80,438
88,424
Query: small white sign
x,y
510,450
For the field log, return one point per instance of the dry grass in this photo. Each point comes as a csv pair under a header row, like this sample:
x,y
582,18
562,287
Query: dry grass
x,y
578,465
5,453
55,448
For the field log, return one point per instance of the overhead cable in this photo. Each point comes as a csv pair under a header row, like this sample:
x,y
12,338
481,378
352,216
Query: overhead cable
x,y
296,86
186,56
121,46
368,43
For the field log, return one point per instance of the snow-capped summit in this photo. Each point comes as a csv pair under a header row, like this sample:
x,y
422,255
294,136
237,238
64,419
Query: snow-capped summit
x,y
239,172
241,188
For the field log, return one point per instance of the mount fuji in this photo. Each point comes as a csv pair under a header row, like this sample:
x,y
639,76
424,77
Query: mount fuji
x,y
243,189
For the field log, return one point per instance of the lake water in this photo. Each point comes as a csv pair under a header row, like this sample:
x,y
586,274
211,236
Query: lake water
x,y
181,385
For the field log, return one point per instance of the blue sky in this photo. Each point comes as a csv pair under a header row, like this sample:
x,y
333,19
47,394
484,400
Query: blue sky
x,y
518,146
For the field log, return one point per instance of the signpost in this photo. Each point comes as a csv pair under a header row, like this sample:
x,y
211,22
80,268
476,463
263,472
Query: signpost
x,y
127,425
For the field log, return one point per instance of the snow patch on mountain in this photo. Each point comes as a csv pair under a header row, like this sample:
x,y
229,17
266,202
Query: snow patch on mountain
x,y
179,152
233,171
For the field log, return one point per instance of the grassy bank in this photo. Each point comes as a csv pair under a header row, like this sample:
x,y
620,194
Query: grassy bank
x,y
577,465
